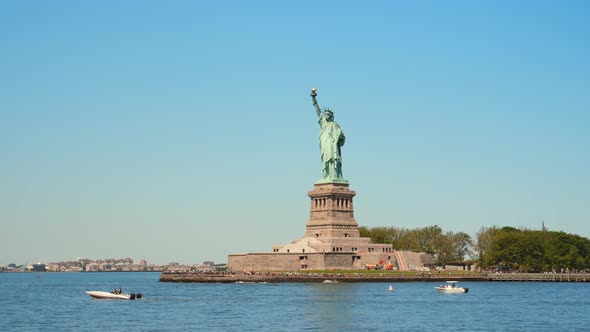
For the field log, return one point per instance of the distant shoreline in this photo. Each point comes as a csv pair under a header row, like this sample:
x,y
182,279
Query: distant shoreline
x,y
351,277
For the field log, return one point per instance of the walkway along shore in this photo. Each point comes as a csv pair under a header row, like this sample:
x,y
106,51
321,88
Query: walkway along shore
x,y
360,277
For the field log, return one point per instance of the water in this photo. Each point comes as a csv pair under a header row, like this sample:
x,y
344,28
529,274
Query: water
x,y
57,302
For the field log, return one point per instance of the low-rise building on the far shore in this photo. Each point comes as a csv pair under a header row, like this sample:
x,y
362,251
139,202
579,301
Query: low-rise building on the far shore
x,y
39,267
103,265
110,265
93,267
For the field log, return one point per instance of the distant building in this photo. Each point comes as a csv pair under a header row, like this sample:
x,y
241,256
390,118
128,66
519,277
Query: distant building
x,y
127,261
84,261
460,266
92,267
38,267
54,267
105,267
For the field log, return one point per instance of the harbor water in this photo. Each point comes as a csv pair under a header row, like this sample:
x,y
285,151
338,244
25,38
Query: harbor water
x,y
57,302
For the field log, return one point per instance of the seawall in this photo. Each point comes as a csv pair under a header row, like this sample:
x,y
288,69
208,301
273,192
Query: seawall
x,y
353,277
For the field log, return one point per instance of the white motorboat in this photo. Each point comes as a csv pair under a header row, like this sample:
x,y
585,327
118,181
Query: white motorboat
x,y
328,281
390,288
113,295
451,287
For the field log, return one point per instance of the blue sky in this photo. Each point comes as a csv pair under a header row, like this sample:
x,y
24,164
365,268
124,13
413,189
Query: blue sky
x,y
184,131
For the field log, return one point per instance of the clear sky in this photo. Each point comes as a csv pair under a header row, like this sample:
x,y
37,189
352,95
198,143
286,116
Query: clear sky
x,y
184,130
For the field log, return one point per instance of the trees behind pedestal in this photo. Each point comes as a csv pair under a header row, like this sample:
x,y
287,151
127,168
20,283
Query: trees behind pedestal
x,y
514,249
446,247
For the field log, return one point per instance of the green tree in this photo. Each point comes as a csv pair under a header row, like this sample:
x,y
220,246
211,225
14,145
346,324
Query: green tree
x,y
445,247
364,231
537,251
483,241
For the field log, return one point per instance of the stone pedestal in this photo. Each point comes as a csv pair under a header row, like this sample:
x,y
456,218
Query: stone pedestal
x,y
331,241
332,212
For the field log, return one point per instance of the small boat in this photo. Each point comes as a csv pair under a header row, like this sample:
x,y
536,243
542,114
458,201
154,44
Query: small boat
x,y
114,295
328,281
451,287
390,288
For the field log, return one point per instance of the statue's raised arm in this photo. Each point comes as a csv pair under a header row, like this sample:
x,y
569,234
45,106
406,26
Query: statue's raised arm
x,y
315,102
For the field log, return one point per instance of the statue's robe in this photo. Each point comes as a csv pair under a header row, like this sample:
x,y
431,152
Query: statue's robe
x,y
331,139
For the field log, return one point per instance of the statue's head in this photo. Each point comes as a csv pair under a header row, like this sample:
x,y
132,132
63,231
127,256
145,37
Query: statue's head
x,y
329,114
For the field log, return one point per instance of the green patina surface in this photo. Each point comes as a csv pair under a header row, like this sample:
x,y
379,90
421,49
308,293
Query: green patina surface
x,y
331,140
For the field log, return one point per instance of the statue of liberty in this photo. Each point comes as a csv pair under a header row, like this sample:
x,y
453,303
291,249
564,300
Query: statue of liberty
x,y
331,140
